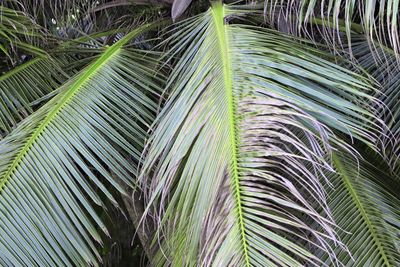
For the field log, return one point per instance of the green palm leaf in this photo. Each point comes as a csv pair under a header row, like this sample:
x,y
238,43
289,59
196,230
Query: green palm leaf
x,y
34,82
228,174
366,208
379,20
26,85
381,62
54,164
17,30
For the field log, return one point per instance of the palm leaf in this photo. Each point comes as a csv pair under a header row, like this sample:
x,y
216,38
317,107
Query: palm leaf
x,y
365,206
26,85
381,62
29,85
227,177
56,12
17,30
378,19
54,165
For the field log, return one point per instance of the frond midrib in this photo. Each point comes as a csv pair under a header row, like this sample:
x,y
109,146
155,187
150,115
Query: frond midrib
x,y
218,13
354,195
20,68
67,97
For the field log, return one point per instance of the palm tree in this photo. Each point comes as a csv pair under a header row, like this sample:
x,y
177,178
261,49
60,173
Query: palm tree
x,y
242,134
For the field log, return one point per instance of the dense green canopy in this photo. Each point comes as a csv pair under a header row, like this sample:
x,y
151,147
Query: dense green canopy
x,y
262,133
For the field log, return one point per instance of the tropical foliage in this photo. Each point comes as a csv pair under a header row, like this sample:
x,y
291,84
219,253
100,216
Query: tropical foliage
x,y
262,133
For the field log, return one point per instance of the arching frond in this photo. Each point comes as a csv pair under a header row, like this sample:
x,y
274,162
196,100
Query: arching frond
x,y
227,176
365,207
54,13
382,63
24,85
28,86
17,30
54,164
379,20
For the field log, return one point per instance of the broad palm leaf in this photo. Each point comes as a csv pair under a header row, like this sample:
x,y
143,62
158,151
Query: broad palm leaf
x,y
234,162
54,165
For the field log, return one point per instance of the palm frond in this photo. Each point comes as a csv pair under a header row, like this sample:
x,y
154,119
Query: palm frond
x,y
227,177
379,20
381,62
51,14
28,86
18,31
366,209
25,86
57,162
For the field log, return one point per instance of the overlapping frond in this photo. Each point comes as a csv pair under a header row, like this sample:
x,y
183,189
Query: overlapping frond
x,y
31,84
382,63
379,20
228,175
55,13
365,206
57,162
18,31
24,86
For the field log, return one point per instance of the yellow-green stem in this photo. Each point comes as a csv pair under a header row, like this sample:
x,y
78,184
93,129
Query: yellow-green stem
x,y
218,15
